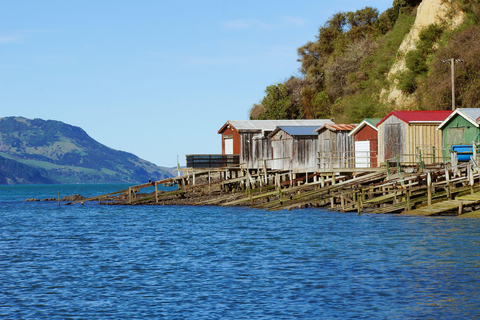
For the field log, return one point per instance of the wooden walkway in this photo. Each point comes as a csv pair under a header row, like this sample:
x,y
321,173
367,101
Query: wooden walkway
x,y
421,192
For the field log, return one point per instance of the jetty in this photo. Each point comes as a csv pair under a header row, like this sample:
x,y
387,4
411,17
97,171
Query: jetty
x,y
412,190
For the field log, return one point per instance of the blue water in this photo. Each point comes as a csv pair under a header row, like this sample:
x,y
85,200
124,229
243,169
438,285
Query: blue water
x,y
176,262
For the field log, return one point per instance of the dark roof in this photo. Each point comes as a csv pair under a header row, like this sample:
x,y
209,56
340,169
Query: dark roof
x,y
297,130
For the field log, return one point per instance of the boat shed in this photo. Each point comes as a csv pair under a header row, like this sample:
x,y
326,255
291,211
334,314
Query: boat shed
x,y
409,134
249,138
366,141
461,127
294,148
335,147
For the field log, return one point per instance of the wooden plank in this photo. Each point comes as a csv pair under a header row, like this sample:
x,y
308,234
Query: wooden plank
x,y
437,208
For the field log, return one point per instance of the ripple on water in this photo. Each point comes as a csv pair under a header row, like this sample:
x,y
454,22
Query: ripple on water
x,y
114,262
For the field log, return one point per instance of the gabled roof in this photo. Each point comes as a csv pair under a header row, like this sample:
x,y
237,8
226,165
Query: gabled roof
x,y
270,125
472,115
296,130
371,122
337,127
418,116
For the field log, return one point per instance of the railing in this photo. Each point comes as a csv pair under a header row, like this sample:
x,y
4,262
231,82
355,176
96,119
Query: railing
x,y
212,160
347,159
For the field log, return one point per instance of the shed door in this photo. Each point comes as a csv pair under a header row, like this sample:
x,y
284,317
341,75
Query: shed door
x,y
228,145
393,141
362,154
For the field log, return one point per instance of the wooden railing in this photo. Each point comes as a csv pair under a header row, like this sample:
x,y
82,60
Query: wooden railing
x,y
347,159
212,160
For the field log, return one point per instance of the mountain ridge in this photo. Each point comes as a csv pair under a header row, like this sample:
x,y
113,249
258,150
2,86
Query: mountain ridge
x,y
62,153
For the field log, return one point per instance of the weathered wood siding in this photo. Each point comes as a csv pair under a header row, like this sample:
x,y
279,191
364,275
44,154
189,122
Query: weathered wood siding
x,y
391,139
395,137
282,153
336,149
249,153
426,139
262,150
297,153
305,152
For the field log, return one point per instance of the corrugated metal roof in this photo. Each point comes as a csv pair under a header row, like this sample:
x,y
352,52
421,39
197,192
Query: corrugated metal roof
x,y
299,130
473,113
372,122
470,114
270,125
426,116
338,127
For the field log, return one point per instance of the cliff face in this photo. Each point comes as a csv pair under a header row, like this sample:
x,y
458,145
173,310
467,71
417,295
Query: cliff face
x,y
428,12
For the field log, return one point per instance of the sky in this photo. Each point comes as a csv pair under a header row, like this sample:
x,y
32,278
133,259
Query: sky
x,y
154,78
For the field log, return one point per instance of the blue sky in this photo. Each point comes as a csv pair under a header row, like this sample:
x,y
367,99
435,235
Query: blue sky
x,y
154,78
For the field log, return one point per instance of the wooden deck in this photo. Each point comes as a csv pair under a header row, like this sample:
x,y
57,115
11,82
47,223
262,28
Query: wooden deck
x,y
421,191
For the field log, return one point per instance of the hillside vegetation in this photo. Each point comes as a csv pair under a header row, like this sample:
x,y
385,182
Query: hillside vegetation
x,y
346,73
39,151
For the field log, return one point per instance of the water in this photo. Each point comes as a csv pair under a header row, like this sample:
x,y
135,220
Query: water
x,y
176,262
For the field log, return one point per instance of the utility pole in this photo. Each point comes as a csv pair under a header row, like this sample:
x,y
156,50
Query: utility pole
x,y
452,66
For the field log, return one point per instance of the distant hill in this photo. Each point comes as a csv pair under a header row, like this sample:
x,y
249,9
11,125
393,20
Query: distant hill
x,y
47,151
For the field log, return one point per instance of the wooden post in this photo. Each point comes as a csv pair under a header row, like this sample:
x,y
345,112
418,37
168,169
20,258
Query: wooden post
x,y
322,181
342,201
447,179
59,197
265,170
399,170
460,208
429,188
388,167
359,202
409,204
471,179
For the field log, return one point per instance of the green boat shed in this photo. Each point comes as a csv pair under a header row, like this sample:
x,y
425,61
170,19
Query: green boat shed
x,y
462,127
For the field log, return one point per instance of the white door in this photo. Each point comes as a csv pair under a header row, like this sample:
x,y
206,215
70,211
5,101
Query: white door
x,y
228,145
362,154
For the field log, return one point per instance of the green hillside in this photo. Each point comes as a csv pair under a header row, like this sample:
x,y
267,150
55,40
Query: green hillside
x,y
346,72
55,152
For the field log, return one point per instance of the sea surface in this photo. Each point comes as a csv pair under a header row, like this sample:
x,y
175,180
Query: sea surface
x,y
179,262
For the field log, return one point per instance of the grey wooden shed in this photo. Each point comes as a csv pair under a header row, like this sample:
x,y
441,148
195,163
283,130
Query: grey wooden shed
x,y
294,148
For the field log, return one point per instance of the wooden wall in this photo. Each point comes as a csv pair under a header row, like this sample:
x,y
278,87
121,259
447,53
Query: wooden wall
x,y
424,137
337,144
296,153
391,139
236,139
397,137
367,133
